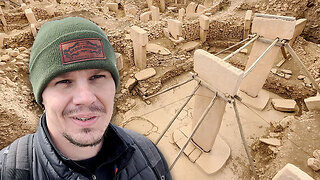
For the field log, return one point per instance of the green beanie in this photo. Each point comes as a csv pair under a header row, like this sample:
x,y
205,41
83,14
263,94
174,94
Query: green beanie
x,y
66,45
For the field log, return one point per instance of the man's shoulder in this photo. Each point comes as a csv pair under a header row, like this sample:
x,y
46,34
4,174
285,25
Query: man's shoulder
x,y
21,142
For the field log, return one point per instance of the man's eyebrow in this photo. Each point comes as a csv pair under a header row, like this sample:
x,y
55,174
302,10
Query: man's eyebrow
x,y
98,70
64,75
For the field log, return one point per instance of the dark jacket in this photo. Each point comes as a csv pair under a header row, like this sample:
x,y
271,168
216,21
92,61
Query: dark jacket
x,y
49,163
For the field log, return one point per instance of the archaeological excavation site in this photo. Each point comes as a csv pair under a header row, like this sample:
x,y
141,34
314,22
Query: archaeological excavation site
x,y
226,89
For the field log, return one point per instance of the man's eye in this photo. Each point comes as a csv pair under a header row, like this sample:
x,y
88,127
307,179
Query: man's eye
x,y
65,81
96,77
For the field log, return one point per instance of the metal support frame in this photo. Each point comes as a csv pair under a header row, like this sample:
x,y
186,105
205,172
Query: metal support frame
x,y
229,99
297,59
194,129
177,114
260,57
168,89
242,47
231,47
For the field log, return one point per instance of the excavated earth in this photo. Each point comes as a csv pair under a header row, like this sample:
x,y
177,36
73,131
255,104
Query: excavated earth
x,y
19,112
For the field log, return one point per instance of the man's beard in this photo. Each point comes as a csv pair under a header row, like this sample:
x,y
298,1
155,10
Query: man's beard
x,y
80,144
91,108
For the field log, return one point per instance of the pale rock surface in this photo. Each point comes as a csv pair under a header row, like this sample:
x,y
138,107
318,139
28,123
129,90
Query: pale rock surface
x,y
190,45
291,172
196,153
244,51
274,70
314,164
271,141
145,74
316,154
313,103
131,82
286,105
286,71
301,77
158,49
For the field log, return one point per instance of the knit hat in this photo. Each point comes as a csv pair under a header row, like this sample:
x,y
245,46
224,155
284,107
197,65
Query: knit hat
x,y
66,45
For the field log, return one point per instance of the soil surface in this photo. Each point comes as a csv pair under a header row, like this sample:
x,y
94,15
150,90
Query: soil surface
x,y
19,112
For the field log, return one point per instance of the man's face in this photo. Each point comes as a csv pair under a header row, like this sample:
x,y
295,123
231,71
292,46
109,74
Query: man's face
x,y
79,106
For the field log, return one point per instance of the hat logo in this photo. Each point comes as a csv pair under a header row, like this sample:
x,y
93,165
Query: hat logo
x,y
82,50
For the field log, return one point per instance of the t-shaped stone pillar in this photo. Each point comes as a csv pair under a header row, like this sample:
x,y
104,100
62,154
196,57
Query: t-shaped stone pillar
x,y
30,16
222,77
204,27
247,24
270,27
140,41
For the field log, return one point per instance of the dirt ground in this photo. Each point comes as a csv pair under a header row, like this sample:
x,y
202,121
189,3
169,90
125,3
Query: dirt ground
x,y
19,113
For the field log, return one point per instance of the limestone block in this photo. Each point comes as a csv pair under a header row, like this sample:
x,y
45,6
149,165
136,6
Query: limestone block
x,y
248,16
300,24
218,74
271,141
158,49
313,103
190,147
259,102
208,3
130,10
177,41
139,36
191,9
203,35
204,22
30,16
247,23
140,55
201,9
290,171
2,36
271,27
149,2
23,6
162,5
33,30
182,13
191,45
195,154
119,62
112,6
206,134
214,160
286,105
145,17
316,154
175,28
130,83
50,9
314,164
155,12
145,74
254,81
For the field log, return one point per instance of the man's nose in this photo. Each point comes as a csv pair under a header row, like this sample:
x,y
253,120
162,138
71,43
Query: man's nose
x,y
84,94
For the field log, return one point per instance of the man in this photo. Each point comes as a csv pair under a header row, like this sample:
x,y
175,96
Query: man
x,y
74,77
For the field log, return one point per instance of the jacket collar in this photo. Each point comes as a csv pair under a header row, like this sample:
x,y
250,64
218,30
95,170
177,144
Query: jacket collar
x,y
115,137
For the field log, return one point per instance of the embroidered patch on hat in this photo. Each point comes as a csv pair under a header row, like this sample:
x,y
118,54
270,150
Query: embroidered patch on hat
x,y
82,50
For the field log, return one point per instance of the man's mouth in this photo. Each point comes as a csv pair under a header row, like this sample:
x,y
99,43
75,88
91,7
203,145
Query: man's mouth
x,y
83,119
